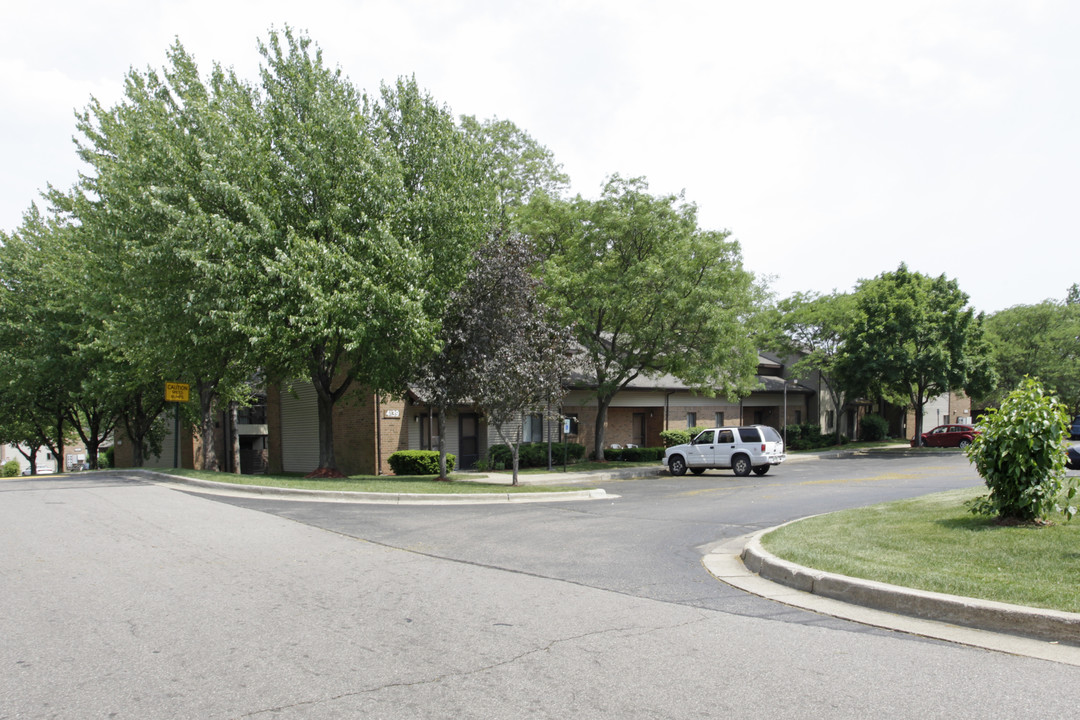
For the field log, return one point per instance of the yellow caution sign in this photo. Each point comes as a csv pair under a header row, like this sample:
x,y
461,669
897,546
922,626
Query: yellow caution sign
x,y
177,392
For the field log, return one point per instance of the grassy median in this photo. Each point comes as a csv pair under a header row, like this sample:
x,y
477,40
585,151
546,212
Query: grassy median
x,y
424,485
934,543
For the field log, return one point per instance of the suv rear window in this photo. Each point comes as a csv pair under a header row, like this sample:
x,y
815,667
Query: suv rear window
x,y
749,435
771,435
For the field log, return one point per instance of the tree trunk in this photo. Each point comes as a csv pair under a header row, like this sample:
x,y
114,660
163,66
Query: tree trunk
x,y
442,442
327,461
234,439
601,426
208,452
919,404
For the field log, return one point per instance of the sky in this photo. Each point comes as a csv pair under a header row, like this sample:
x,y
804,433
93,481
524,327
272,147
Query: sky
x,y
833,139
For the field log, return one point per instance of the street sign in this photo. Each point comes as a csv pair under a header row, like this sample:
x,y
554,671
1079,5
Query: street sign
x,y
177,392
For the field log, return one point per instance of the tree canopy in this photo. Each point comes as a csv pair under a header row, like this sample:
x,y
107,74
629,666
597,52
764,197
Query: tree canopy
x,y
914,338
646,291
1041,341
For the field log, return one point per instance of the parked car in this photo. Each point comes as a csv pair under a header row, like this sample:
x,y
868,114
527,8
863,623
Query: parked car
x,y
948,436
1072,459
1074,428
752,447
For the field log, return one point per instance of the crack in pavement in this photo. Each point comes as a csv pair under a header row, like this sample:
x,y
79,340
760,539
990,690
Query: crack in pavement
x,y
636,630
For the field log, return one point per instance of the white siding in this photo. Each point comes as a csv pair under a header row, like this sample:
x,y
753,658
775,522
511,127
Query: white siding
x,y
299,428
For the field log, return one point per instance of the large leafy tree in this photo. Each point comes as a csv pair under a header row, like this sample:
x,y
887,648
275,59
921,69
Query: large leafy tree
x,y
515,164
39,332
171,204
646,291
373,219
1041,341
913,338
812,327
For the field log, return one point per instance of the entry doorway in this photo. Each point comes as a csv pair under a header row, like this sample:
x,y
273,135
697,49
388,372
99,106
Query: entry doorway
x,y
468,440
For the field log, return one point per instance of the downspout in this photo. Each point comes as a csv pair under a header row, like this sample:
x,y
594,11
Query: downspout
x,y
378,435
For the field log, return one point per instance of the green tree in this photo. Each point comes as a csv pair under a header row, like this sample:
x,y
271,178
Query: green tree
x,y
1040,341
1019,455
812,327
914,338
646,291
167,213
39,331
515,164
374,213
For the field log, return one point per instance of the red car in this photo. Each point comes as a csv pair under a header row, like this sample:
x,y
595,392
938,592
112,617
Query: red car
x,y
948,436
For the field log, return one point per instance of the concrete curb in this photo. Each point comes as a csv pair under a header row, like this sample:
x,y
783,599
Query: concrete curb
x,y
1048,625
344,496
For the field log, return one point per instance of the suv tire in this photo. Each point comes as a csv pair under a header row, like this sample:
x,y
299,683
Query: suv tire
x,y
740,464
677,465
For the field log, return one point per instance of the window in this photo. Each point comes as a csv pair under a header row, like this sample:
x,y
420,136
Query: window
x,y
749,435
705,438
798,417
534,429
691,419
830,419
759,417
719,419
726,436
427,440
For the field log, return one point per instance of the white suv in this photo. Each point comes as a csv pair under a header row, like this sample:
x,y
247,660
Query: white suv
x,y
752,447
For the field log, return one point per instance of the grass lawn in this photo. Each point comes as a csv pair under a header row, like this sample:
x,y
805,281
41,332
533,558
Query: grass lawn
x,y
369,483
934,543
581,466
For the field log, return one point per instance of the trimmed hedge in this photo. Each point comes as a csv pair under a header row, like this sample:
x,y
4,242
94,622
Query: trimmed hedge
x,y
533,454
419,462
808,436
638,454
10,469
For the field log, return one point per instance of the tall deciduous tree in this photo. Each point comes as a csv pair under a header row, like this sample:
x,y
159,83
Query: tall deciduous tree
x,y
1041,341
372,212
647,291
812,327
914,337
171,205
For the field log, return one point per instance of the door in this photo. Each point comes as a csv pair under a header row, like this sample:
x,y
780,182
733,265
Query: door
x,y
468,440
725,443
638,434
701,450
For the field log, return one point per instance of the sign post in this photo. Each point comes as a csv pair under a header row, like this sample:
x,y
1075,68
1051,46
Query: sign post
x,y
177,393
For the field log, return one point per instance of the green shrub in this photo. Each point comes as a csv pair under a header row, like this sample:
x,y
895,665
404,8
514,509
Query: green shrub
x,y
419,462
1020,454
671,438
873,428
807,436
534,454
10,469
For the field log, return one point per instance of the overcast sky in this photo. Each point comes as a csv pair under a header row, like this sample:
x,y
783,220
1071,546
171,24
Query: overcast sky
x,y
835,140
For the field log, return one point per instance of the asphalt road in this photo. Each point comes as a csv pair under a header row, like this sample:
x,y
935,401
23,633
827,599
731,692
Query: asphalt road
x,y
125,599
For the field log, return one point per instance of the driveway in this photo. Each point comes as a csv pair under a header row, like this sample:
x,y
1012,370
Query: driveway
x,y
125,599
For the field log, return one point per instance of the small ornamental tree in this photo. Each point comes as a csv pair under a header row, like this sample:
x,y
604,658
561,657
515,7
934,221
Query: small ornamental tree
x,y
1020,454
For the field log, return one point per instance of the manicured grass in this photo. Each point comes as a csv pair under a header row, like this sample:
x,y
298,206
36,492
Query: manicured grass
x,y
582,466
370,483
934,543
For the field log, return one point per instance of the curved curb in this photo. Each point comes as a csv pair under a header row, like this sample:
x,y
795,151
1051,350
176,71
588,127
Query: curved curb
x,y
1049,625
346,496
